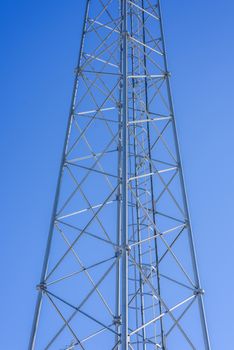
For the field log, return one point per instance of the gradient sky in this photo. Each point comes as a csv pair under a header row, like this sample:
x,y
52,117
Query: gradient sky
x,y
39,45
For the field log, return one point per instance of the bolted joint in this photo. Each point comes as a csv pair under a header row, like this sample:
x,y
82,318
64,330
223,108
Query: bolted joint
x,y
125,33
119,104
199,291
77,70
186,222
118,252
119,148
117,320
128,249
41,287
119,197
167,74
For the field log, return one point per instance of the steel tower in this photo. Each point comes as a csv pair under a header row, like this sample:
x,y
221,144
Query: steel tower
x,y
120,268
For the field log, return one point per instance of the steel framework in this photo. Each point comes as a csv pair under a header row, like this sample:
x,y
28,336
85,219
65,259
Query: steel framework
x,y
120,268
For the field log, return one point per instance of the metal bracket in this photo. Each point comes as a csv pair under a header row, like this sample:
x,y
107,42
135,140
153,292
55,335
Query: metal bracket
x,y
41,287
117,320
199,291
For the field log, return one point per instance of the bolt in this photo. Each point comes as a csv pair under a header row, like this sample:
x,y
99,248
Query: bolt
x,y
117,320
41,287
199,291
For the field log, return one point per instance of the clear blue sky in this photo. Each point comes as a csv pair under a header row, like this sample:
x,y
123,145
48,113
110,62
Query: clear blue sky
x,y
39,44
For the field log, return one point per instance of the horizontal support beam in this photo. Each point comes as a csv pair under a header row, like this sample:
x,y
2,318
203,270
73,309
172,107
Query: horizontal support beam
x,y
152,173
101,60
84,210
159,76
96,110
148,120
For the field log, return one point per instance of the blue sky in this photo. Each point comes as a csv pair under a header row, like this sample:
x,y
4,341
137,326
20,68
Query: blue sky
x,y
39,45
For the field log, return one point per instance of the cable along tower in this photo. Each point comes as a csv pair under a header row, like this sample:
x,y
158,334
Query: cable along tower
x,y
120,268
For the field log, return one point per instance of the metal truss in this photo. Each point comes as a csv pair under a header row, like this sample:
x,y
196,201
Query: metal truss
x,y
120,268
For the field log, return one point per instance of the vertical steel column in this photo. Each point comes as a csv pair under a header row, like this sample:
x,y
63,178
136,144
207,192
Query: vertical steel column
x,y
125,181
151,180
185,201
119,213
136,185
32,339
